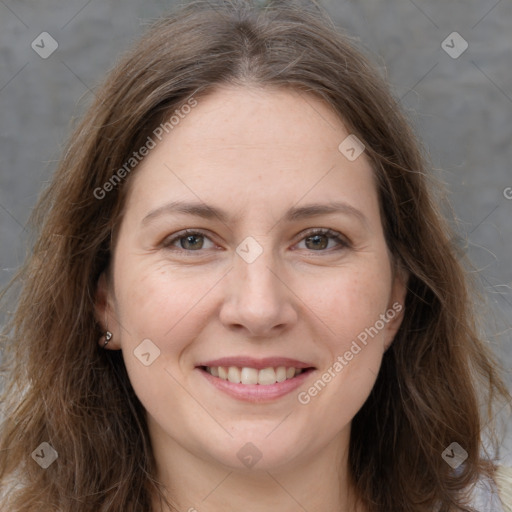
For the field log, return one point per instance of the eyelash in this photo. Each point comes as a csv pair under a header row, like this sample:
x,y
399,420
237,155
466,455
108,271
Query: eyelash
x,y
338,237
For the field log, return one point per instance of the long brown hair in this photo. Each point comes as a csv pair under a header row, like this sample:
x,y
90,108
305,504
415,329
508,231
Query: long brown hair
x,y
61,388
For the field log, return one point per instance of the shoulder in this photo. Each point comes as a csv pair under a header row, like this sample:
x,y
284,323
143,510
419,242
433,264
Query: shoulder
x,y
503,478
494,495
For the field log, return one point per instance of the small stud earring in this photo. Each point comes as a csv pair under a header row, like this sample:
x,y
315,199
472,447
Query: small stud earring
x,y
108,337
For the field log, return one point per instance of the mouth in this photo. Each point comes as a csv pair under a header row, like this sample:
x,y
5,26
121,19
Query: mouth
x,y
252,376
256,380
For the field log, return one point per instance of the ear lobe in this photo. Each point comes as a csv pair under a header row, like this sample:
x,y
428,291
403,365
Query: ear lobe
x,y
104,311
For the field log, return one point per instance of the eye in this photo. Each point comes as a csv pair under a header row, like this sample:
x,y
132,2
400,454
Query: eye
x,y
319,239
189,240
316,240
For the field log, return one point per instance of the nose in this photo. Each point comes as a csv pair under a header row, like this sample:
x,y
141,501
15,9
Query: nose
x,y
258,301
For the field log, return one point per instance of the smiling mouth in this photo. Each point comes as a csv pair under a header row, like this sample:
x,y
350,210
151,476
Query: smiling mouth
x,y
254,376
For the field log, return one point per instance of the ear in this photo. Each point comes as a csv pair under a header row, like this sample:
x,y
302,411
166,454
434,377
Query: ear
x,y
104,312
396,306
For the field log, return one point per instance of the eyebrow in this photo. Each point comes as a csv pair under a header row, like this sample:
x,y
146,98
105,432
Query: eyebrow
x,y
296,213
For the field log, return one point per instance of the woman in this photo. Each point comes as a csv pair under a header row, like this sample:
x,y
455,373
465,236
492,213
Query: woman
x,y
243,294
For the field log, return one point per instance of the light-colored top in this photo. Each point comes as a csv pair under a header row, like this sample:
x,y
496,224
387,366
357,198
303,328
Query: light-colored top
x,y
504,483
495,496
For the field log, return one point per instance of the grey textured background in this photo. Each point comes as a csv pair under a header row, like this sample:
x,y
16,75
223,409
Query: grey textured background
x,y
461,108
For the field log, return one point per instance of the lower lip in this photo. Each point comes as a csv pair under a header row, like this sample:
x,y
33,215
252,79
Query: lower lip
x,y
257,392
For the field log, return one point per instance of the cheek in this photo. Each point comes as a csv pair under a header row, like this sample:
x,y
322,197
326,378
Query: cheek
x,y
352,305
352,302
153,300
166,309
169,308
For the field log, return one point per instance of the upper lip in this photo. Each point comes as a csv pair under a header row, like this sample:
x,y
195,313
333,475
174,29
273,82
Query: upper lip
x,y
259,364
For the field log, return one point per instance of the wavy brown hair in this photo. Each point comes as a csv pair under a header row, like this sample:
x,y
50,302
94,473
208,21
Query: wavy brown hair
x,y
60,387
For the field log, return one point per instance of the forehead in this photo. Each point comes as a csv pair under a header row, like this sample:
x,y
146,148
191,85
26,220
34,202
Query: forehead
x,y
251,119
253,145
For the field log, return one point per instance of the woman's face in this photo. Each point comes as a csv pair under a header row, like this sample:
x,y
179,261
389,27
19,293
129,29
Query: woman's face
x,y
283,282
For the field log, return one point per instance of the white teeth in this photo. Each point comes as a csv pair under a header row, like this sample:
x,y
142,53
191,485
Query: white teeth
x,y
267,376
281,373
264,377
249,376
234,374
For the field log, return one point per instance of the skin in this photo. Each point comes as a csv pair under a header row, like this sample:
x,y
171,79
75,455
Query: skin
x,y
255,153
